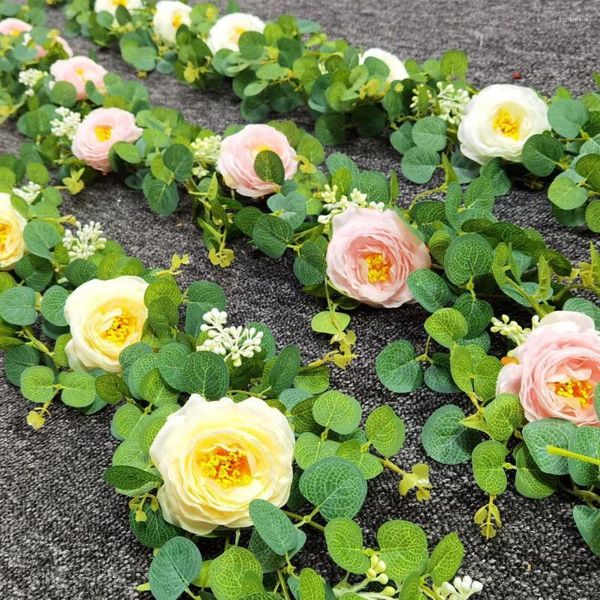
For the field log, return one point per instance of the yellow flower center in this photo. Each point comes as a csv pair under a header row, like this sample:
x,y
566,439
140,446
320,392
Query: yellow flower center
x,y
507,123
177,20
379,268
237,33
119,329
575,389
4,231
229,468
119,2
103,132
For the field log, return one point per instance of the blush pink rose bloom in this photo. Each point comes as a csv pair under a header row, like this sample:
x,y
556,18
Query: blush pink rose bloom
x,y
556,369
371,255
97,133
78,70
12,26
238,152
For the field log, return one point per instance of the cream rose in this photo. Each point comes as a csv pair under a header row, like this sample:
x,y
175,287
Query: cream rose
x,y
216,457
170,16
110,6
499,120
105,316
12,224
392,62
225,33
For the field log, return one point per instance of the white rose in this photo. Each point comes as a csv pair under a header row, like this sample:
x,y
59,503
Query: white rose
x,y
170,16
12,224
105,316
499,120
111,6
225,33
216,457
397,70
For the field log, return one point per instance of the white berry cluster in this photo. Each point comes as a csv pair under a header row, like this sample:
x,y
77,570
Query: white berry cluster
x,y
86,240
233,343
334,205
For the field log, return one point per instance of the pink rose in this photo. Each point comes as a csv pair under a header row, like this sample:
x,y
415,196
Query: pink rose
x,y
14,27
371,255
556,369
97,133
238,152
78,70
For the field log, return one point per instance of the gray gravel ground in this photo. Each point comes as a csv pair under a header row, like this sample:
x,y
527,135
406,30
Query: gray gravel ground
x,y
64,533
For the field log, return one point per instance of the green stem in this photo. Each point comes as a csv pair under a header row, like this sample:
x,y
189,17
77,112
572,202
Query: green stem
x,y
556,451
305,520
388,464
284,587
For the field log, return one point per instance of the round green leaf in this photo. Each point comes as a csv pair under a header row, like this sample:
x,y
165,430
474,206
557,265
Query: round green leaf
x,y
397,368
335,486
337,411
205,373
176,565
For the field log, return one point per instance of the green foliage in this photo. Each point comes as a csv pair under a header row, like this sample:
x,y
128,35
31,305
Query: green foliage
x,y
403,548
538,435
488,467
445,438
174,567
344,540
335,486
397,367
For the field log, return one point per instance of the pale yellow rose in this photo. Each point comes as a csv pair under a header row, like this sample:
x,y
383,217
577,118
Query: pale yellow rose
x,y
105,316
12,224
216,457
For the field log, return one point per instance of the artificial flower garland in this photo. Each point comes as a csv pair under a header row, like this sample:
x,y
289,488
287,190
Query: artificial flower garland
x,y
337,256
219,431
280,65
445,327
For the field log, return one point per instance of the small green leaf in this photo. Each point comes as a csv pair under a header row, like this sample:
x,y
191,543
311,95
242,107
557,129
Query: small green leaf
x,y
446,326
445,438
205,373
397,368
385,430
344,539
17,306
40,237
78,388
541,153
538,435
488,467
172,570
337,411
274,527
268,167
335,486
129,478
446,558
567,116
403,548
235,574
587,520
53,305
37,384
